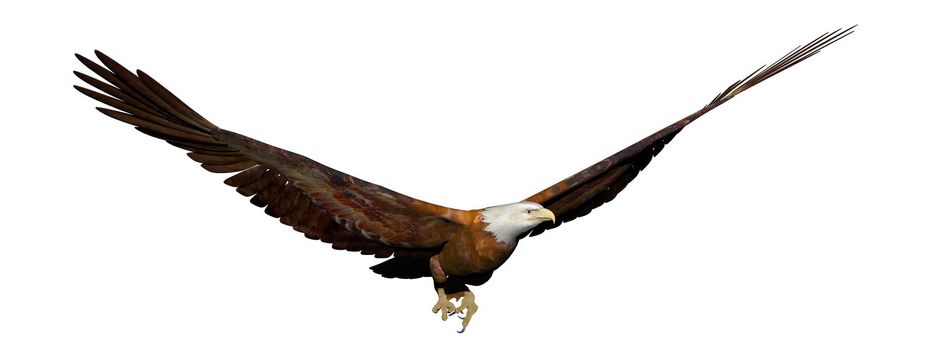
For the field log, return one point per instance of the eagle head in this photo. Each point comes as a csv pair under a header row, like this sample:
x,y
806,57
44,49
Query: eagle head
x,y
507,222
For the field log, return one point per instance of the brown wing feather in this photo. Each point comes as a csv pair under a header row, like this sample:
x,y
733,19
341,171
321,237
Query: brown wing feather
x,y
321,202
579,194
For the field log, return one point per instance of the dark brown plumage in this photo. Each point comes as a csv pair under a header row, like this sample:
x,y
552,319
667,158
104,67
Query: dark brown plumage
x,y
579,194
454,247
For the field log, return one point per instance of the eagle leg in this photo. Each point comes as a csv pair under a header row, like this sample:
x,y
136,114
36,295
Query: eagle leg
x,y
459,291
443,301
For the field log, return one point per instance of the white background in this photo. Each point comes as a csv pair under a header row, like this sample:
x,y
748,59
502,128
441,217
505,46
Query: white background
x,y
795,216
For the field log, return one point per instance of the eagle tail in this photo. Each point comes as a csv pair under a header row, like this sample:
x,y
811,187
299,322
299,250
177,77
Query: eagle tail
x,y
405,267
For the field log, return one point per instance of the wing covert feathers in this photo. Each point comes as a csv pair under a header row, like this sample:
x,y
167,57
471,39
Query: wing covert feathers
x,y
579,194
320,202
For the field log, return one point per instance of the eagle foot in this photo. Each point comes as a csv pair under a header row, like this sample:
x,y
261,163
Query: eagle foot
x,y
468,307
443,305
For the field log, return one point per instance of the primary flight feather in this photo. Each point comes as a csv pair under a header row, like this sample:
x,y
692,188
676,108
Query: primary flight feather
x,y
454,247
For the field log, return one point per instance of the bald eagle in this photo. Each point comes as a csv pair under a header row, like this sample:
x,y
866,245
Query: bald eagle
x,y
455,248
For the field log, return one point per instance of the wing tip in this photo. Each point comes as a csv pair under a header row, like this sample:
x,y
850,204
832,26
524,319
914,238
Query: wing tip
x,y
797,55
101,55
84,60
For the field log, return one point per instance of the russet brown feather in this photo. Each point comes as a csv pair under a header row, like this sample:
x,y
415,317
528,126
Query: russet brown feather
x,y
474,252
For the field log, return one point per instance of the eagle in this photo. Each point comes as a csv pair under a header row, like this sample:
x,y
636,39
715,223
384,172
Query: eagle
x,y
454,247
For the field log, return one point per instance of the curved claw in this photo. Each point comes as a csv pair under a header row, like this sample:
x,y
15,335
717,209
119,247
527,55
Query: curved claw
x,y
468,307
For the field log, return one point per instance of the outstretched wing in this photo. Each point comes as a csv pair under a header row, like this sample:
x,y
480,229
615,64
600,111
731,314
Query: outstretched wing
x,y
577,195
324,203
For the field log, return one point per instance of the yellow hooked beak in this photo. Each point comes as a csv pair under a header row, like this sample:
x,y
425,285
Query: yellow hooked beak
x,y
544,215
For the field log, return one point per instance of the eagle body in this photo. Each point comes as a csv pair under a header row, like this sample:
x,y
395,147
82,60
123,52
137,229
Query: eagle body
x,y
477,250
451,246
